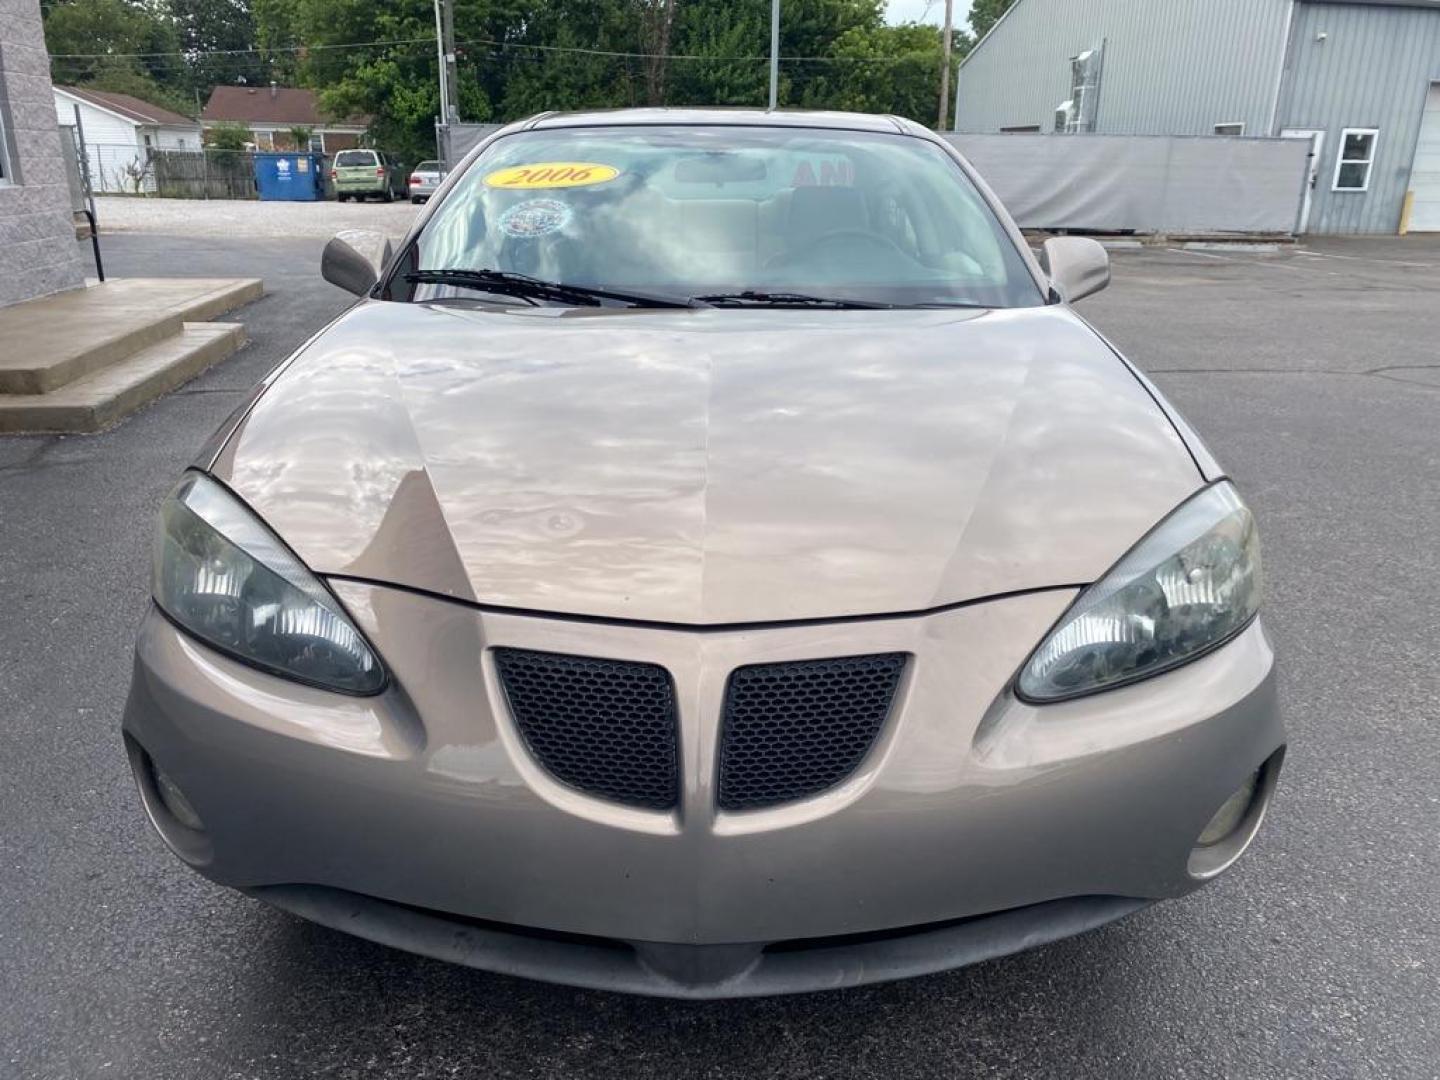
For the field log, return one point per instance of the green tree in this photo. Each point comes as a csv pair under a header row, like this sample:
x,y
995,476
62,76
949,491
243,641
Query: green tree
x,y
228,135
214,35
716,34
396,85
891,69
732,41
514,57
276,42
538,74
116,45
986,13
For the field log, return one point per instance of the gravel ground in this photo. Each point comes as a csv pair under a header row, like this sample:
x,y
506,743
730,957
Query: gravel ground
x,y
1312,374
235,218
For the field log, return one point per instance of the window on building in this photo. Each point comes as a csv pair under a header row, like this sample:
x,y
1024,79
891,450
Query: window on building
x,y
1357,157
1230,129
148,142
1021,129
5,173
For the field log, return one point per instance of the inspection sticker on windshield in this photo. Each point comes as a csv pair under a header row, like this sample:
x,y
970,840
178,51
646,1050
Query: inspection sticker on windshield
x,y
551,174
534,217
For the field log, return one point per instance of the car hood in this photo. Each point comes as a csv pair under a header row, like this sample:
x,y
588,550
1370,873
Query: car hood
x,y
714,466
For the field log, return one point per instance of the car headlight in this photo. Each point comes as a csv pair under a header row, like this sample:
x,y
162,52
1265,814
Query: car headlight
x,y
1191,584
226,578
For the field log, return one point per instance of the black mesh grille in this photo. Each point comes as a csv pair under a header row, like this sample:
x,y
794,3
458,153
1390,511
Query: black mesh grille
x,y
793,730
606,727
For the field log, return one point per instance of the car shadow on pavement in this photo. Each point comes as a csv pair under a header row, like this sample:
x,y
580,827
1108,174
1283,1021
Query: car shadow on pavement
x,y
321,989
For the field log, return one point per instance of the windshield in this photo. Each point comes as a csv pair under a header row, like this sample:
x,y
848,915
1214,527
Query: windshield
x,y
704,211
354,157
428,166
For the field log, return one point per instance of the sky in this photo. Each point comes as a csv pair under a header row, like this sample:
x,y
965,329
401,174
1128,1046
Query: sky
x,y
931,11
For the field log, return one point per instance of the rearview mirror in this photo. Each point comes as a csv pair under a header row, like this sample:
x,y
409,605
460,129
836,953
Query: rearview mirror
x,y
355,259
719,168
1077,266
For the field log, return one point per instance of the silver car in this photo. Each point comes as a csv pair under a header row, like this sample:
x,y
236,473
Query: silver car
x,y
711,559
425,178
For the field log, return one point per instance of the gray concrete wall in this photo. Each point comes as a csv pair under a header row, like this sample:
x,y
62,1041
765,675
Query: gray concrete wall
x,y
1143,183
1372,69
38,252
1172,67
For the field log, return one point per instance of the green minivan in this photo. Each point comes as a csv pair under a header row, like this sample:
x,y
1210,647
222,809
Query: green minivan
x,y
358,173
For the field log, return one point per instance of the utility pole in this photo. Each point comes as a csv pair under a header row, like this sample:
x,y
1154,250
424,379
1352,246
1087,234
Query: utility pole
x,y
452,89
204,154
440,62
445,57
774,52
945,64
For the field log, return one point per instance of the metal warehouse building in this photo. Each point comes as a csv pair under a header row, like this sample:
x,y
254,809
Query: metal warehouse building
x,y
1359,78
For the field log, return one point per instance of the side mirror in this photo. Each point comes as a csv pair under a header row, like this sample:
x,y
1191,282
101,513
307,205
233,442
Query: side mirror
x,y
355,259
1078,266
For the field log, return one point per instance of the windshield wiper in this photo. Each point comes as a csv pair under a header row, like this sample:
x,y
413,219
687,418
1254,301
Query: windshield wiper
x,y
510,283
786,299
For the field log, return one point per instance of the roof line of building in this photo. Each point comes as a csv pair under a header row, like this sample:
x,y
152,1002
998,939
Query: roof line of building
x,y
988,34
1368,3
131,116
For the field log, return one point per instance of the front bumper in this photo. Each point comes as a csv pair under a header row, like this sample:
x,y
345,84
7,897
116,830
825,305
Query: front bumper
x,y
977,826
700,972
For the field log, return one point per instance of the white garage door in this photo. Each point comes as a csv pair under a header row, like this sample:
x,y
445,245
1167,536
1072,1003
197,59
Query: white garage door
x,y
1425,173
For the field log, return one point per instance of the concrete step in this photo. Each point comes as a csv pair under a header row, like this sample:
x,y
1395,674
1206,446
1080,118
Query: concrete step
x,y
55,340
103,397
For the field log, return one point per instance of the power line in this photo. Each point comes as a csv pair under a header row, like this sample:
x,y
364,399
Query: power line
x,y
193,54
190,54
765,58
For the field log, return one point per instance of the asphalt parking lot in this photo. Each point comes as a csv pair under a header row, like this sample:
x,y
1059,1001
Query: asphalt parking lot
x,y
250,219
1315,376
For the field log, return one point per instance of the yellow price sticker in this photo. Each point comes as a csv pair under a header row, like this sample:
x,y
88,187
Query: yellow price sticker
x,y
551,174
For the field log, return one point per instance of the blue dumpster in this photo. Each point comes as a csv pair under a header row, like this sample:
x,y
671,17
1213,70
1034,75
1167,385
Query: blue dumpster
x,y
287,177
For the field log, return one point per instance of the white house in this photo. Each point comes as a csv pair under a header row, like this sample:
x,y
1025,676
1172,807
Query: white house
x,y
119,130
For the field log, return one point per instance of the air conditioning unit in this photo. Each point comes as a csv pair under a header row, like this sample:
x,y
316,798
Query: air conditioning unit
x,y
1086,70
1064,117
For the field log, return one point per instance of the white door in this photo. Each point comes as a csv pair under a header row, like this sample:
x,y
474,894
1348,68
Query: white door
x,y
1425,172
1317,142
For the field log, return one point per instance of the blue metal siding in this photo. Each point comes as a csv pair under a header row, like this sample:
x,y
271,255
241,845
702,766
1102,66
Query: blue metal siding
x,y
1172,67
1372,70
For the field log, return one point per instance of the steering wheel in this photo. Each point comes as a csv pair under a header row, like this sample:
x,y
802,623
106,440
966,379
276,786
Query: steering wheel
x,y
856,244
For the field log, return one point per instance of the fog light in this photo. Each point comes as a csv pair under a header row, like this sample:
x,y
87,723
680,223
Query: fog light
x,y
1231,813
175,801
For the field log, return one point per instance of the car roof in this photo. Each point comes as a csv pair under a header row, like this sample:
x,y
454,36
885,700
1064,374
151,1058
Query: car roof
x,y
797,118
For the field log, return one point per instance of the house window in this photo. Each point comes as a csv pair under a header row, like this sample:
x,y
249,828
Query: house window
x,y
147,142
1357,157
1230,129
1021,129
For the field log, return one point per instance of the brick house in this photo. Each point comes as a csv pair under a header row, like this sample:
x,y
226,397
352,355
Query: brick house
x,y
271,112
